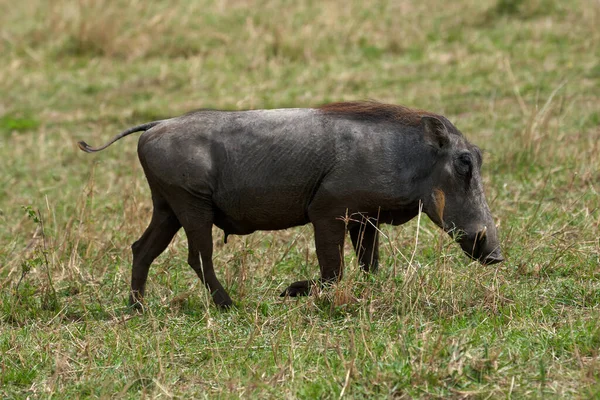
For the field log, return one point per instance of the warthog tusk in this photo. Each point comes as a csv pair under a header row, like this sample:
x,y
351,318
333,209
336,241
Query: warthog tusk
x,y
440,203
482,235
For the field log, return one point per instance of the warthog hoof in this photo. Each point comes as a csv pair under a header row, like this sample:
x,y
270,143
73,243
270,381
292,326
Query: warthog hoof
x,y
136,302
300,288
222,300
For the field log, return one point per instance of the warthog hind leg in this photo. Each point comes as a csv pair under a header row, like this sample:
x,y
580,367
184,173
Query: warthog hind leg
x,y
163,226
200,259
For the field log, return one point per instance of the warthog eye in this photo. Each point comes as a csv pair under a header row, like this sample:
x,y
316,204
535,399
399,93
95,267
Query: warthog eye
x,y
464,164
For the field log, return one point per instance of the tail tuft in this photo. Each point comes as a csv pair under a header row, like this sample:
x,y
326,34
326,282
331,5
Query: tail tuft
x,y
84,146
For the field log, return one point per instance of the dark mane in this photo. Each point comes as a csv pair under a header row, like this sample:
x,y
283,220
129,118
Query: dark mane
x,y
375,111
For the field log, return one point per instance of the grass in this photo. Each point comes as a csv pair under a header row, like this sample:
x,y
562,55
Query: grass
x,y
519,78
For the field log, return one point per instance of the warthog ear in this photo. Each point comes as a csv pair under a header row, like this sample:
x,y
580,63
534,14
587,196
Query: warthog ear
x,y
435,131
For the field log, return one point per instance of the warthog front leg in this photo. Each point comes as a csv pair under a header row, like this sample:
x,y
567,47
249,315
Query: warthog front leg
x,y
329,242
365,239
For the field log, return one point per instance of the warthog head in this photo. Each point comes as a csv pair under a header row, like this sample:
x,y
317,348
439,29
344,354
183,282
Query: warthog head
x,y
457,202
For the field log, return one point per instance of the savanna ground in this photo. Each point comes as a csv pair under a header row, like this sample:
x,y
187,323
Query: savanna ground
x,y
519,78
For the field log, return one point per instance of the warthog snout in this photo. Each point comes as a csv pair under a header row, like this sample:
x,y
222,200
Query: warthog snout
x,y
482,246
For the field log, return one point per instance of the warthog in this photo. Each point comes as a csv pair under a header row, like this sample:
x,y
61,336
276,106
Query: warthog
x,y
274,169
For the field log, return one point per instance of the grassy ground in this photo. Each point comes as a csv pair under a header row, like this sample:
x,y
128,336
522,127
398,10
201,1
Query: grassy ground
x,y
520,78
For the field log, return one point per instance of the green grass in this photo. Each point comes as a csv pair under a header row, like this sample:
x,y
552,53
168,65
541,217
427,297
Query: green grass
x,y
519,78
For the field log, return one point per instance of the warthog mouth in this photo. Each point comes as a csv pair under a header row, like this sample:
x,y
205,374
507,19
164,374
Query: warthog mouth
x,y
493,258
478,247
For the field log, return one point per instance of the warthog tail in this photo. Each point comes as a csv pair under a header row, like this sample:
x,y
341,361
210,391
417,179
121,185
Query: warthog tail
x,y
88,149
